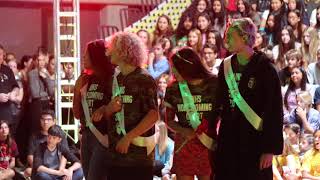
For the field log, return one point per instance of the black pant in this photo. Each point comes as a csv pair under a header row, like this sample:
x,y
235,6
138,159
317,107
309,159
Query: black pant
x,y
130,172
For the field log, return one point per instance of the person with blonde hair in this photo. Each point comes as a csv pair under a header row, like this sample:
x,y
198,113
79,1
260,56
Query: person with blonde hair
x,y
310,165
249,102
131,130
305,115
163,152
195,40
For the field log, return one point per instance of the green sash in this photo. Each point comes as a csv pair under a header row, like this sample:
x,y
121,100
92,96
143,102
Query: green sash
x,y
248,112
193,116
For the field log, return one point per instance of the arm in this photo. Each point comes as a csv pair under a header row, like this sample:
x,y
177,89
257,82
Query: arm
x,y
30,160
170,113
44,169
12,163
272,138
306,175
63,163
163,67
34,84
147,122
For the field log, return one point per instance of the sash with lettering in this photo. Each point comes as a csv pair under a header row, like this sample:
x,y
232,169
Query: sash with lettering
x,y
148,142
103,139
248,112
194,118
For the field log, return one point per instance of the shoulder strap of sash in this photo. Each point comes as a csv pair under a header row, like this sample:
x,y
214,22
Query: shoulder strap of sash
x,y
103,139
248,112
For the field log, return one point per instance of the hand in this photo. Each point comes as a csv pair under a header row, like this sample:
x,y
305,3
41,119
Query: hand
x,y
115,105
4,97
67,174
301,112
188,133
98,114
123,145
43,73
151,58
265,160
166,177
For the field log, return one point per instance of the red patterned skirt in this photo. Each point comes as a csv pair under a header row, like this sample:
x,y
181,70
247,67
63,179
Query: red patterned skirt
x,y
192,159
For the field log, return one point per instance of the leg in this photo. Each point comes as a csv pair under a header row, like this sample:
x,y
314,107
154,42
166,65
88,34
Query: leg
x,y
88,144
99,163
7,174
77,174
43,176
125,173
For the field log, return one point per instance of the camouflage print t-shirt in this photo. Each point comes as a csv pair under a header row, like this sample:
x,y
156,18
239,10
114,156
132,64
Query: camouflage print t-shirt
x,y
204,99
139,96
98,94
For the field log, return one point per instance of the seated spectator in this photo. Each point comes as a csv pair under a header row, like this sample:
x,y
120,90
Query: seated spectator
x,y
50,158
46,121
214,37
298,82
314,70
163,152
310,165
158,62
287,165
286,43
8,153
209,58
10,57
306,142
304,115
317,99
293,59
195,40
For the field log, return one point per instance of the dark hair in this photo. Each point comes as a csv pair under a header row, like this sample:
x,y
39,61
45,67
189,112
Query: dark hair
x,y
42,50
101,64
291,86
47,112
264,37
211,46
317,26
169,32
217,36
299,27
1,47
188,64
9,139
291,45
181,31
247,11
55,130
205,15
221,16
23,60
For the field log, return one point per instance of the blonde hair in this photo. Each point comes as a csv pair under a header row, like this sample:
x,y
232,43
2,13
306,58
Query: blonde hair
x,y
313,46
293,53
163,137
198,47
305,97
305,50
129,47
